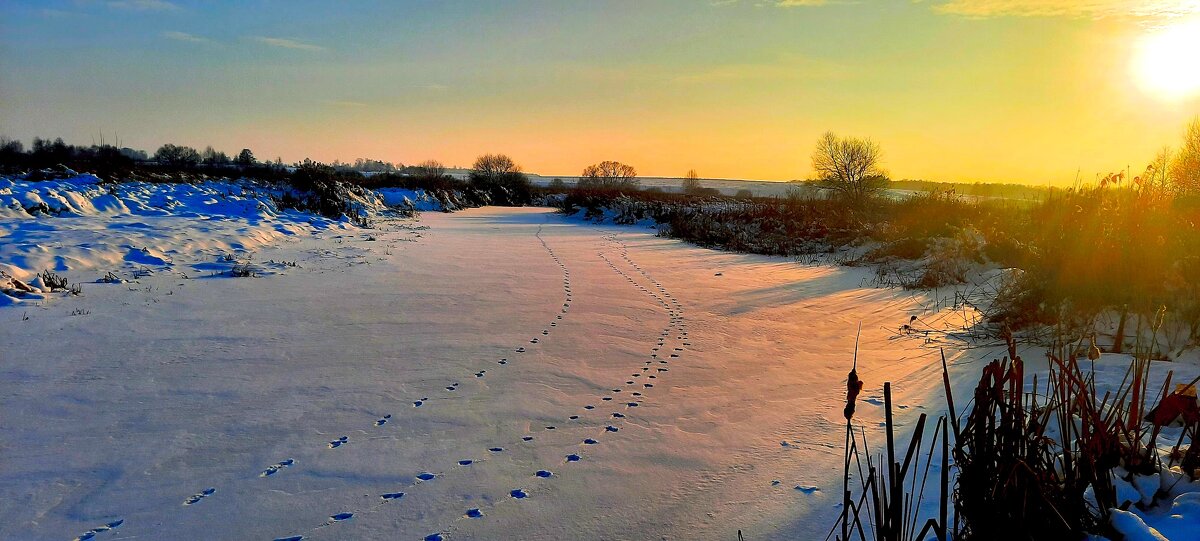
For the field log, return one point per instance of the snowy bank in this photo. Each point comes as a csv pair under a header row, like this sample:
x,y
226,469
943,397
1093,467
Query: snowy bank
x,y
88,228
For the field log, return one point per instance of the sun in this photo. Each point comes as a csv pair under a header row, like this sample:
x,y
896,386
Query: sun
x,y
1167,61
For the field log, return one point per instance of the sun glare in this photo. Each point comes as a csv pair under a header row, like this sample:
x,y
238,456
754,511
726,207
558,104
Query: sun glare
x,y
1167,62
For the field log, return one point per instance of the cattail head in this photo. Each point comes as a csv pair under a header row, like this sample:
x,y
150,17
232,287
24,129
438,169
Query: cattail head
x,y
853,386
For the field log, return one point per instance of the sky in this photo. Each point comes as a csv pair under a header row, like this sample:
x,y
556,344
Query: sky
x,y
1032,91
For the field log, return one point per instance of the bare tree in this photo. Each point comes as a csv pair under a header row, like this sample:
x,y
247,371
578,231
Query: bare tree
x,y
501,178
494,166
1185,168
609,175
691,182
177,156
431,169
849,166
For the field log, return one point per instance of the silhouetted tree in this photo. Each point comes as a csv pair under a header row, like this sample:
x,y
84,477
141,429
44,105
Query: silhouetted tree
x,y
12,152
501,178
691,182
849,166
1185,168
177,156
245,158
212,157
430,170
609,176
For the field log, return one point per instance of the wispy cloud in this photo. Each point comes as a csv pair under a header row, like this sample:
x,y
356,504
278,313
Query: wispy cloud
x,y
184,36
57,13
143,5
785,3
1090,9
797,68
286,43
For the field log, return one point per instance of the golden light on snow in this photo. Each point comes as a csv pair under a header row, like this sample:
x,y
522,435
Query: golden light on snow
x,y
1167,61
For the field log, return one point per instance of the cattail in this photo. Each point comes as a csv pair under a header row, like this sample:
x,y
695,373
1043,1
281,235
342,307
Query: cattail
x,y
1093,352
853,386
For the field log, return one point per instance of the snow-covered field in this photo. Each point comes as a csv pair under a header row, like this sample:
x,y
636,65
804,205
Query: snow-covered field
x,y
497,373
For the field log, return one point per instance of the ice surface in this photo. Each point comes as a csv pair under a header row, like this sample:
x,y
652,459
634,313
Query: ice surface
x,y
208,408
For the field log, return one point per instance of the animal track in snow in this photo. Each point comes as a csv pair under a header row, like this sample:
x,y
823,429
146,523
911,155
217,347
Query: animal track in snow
x,y
274,468
195,498
85,536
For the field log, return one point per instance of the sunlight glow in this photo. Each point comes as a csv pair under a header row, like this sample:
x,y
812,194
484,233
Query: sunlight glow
x,y
1167,61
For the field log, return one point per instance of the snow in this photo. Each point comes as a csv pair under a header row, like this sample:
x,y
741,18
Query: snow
x,y
81,227
418,200
458,376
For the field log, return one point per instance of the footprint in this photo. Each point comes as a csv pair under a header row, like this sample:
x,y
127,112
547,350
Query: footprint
x,y
807,489
496,449
521,350
99,529
618,415
534,341
195,498
590,441
434,537
341,516
474,513
589,407
527,438
611,428
292,538
274,468
339,442
392,495
465,462
573,417
425,476
383,420
417,403
518,494
543,473
573,457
